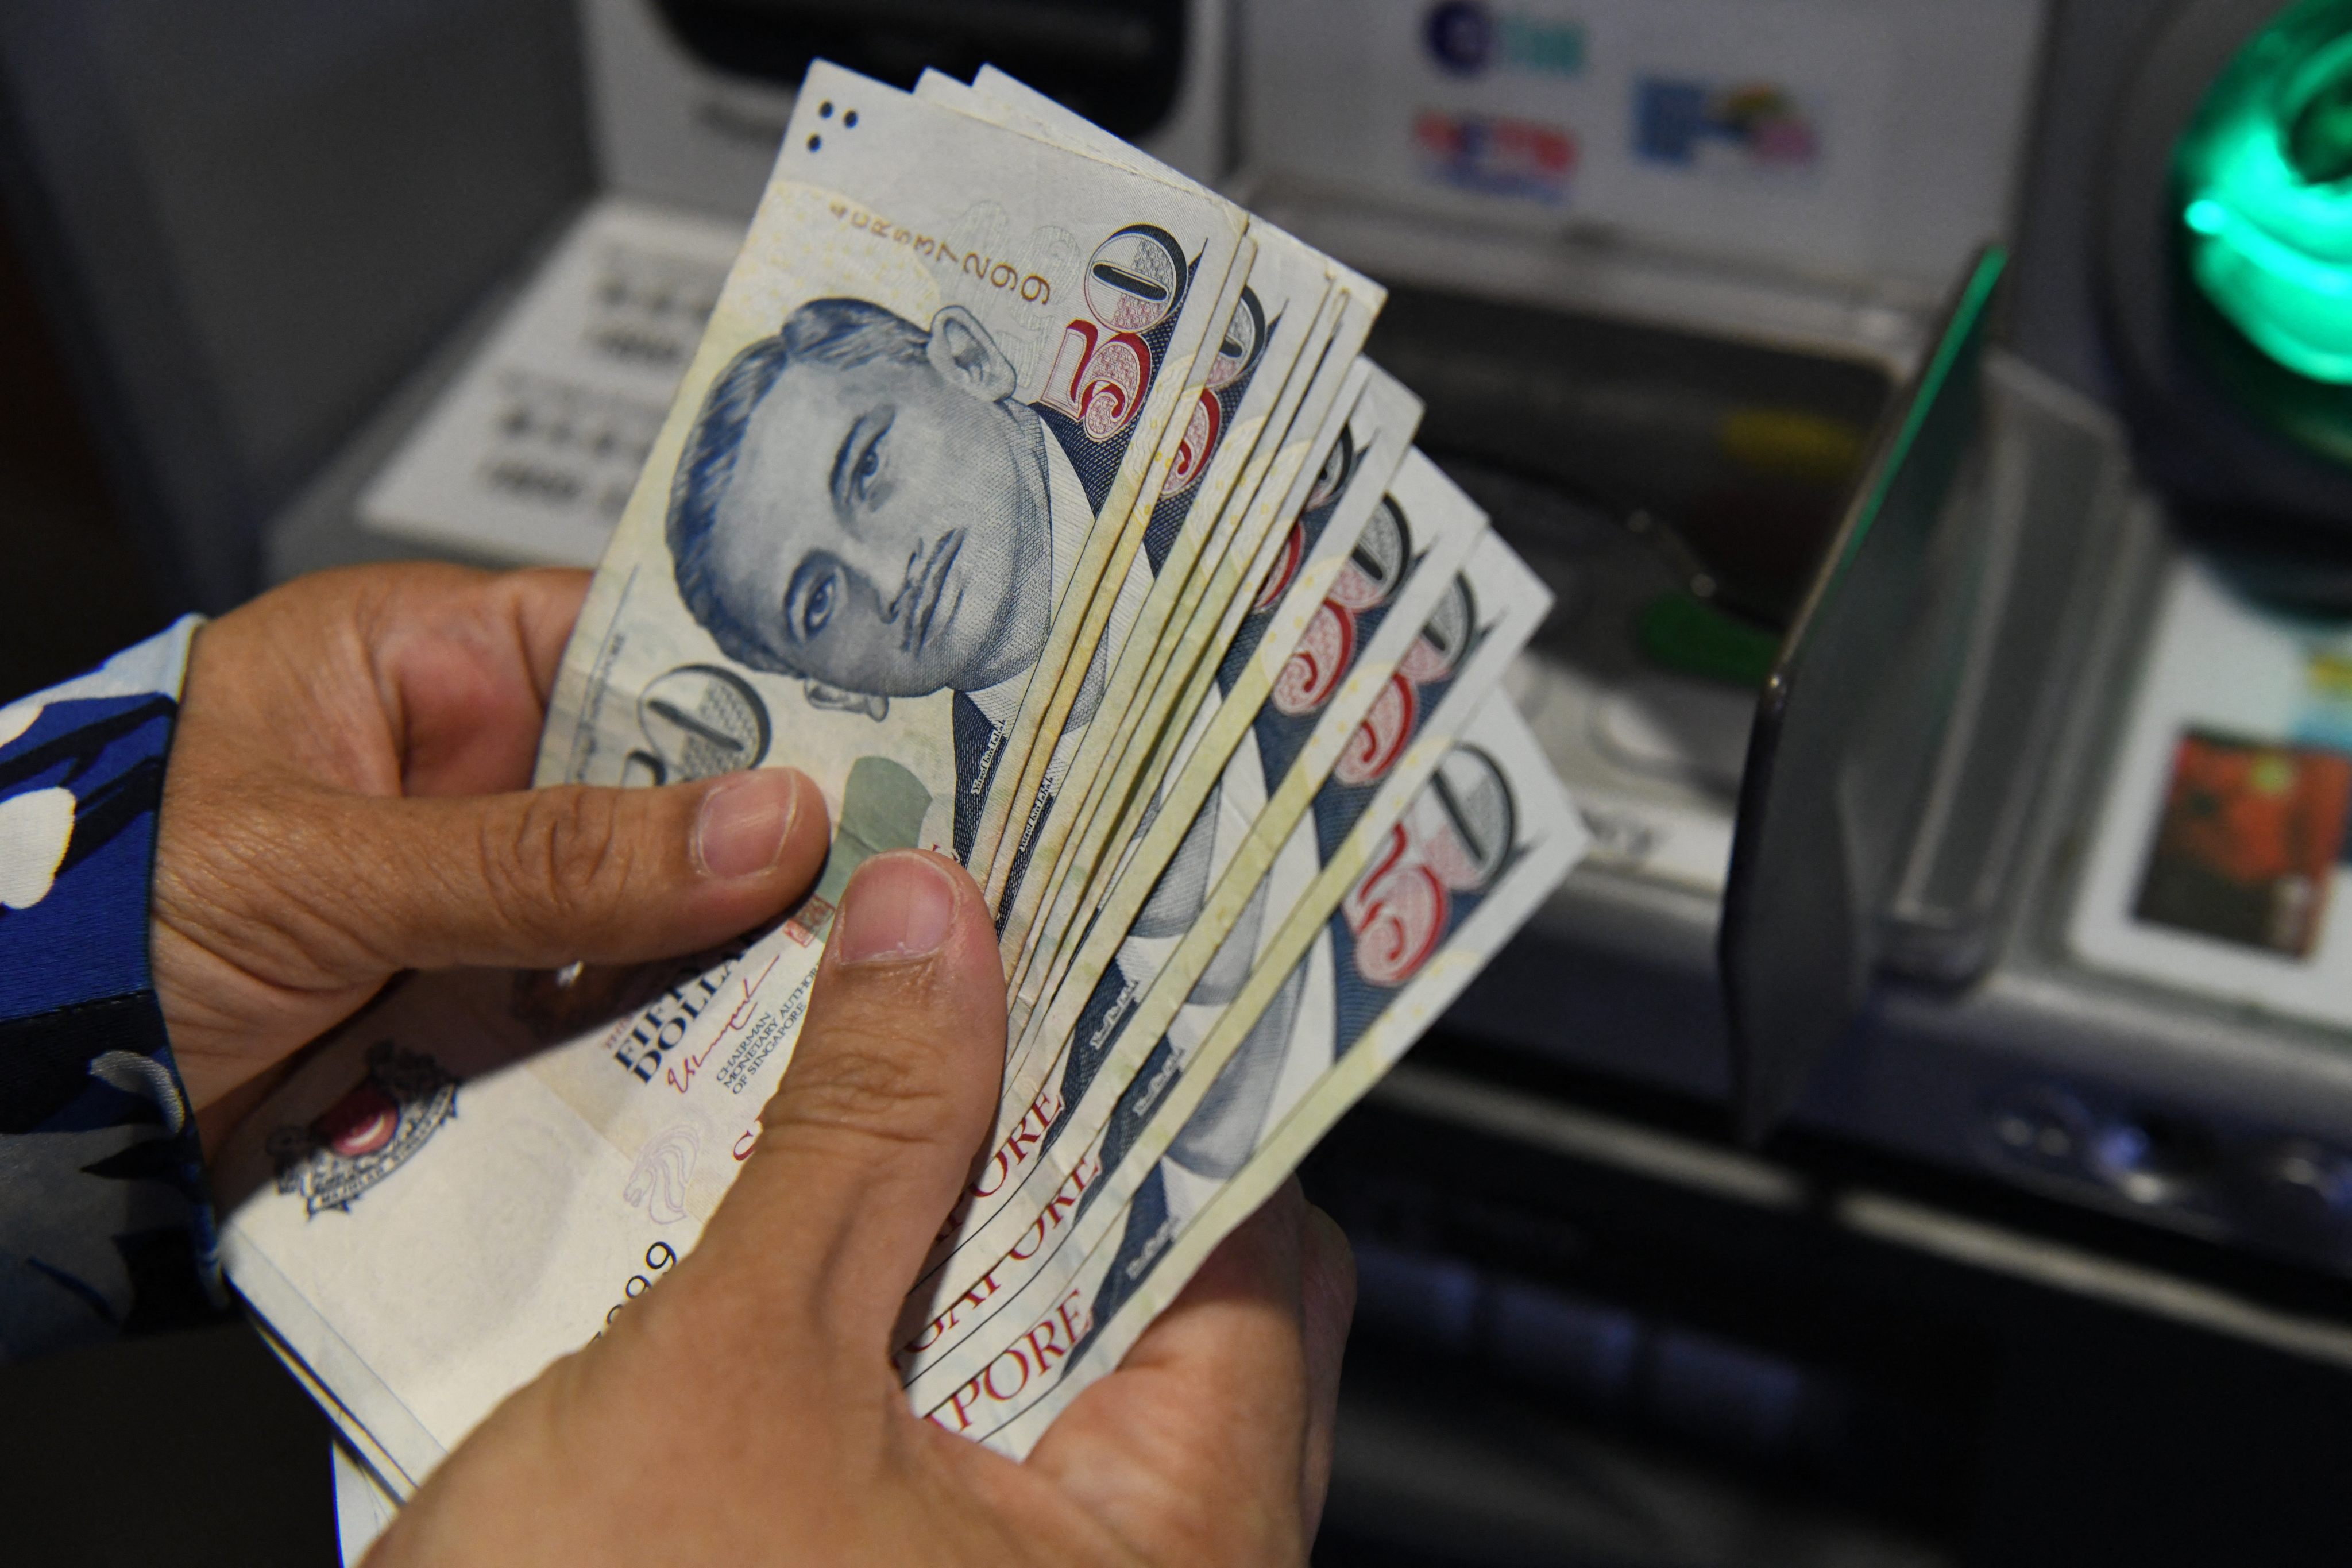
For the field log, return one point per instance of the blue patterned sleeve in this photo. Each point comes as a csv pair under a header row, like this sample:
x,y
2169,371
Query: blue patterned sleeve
x,y
105,1227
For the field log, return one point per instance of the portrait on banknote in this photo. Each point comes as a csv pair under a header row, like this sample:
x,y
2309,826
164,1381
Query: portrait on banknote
x,y
902,448
867,503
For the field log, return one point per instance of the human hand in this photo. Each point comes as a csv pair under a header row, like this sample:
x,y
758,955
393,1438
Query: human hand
x,y
346,800
744,1409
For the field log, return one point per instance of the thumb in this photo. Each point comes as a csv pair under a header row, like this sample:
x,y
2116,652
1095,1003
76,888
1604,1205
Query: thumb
x,y
891,1087
536,878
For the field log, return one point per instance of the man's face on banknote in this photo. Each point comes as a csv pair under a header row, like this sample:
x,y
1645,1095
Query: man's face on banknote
x,y
884,525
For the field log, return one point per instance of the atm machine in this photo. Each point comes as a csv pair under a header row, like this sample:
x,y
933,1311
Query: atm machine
x,y
1921,1132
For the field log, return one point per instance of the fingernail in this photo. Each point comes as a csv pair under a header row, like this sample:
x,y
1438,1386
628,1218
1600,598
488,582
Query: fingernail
x,y
898,906
743,823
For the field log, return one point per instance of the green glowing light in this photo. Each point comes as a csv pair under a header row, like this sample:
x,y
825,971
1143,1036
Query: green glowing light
x,y
2265,174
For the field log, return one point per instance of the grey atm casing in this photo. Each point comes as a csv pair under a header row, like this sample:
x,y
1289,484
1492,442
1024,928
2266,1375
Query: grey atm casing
x,y
1952,1020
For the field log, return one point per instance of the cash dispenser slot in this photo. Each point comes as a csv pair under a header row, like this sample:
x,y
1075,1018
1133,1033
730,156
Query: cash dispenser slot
x,y
1728,460
1849,612
1901,741
1796,593
1675,485
1847,723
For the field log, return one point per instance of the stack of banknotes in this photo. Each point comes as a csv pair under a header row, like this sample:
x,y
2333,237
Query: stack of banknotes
x,y
1039,503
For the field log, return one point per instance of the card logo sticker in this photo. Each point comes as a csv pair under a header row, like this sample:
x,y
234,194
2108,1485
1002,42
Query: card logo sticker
x,y
2248,842
1495,154
1748,126
1468,38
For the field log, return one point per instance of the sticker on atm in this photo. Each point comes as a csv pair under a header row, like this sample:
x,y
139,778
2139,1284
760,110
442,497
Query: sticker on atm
x,y
2325,716
2248,841
1495,154
1751,125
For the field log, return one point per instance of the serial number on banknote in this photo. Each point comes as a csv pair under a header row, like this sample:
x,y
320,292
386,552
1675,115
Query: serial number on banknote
x,y
658,1257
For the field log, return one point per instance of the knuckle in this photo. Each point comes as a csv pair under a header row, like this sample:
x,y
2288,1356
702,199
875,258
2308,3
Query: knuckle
x,y
865,1083
552,863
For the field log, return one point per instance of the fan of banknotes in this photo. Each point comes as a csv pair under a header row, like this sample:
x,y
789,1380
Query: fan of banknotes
x,y
1039,503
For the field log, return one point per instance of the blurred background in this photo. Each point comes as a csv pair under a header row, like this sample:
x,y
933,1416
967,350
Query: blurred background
x,y
1921,1132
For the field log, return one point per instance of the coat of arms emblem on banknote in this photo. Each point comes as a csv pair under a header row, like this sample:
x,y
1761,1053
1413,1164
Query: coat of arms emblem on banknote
x,y
367,1135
